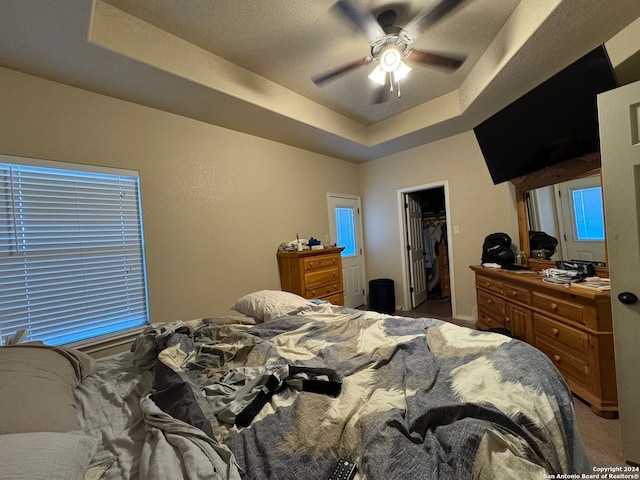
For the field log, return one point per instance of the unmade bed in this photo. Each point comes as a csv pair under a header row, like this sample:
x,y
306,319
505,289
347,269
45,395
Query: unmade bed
x,y
290,386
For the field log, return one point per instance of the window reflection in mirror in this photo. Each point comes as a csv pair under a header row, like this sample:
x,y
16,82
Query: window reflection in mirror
x,y
572,212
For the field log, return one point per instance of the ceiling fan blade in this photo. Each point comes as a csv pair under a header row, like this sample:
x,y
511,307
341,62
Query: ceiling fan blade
x,y
380,94
360,18
424,20
322,78
436,60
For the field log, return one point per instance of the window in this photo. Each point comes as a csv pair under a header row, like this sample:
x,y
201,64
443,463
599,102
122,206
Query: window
x,y
588,214
346,230
71,251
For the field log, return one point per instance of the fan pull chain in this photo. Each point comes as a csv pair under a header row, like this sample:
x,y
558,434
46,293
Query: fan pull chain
x,y
399,94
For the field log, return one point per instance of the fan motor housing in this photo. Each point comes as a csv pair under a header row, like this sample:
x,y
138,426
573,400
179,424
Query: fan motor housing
x,y
387,42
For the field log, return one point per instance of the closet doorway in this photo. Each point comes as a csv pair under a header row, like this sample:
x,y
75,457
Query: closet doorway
x,y
426,250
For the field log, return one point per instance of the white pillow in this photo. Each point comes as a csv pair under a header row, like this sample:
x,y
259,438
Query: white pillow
x,y
45,455
266,305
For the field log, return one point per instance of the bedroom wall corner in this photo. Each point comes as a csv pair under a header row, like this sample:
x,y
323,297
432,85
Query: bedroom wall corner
x,y
476,205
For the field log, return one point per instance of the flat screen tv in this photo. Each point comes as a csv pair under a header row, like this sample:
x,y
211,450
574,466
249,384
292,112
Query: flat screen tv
x,y
554,122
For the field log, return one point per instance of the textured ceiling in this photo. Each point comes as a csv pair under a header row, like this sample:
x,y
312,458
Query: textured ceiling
x,y
290,41
247,64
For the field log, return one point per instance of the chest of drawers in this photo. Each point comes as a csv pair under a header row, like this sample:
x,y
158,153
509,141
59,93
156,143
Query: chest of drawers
x,y
313,274
571,325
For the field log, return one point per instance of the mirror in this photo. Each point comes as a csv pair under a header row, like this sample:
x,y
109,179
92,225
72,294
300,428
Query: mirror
x,y
572,212
587,166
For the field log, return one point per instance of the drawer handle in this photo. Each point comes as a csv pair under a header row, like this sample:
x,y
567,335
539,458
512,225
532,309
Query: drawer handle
x,y
556,358
489,301
514,293
555,331
554,306
507,320
488,284
311,264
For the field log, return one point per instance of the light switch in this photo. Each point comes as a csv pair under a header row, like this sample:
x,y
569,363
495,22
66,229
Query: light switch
x,y
456,229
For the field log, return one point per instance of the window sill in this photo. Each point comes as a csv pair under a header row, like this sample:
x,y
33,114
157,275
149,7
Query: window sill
x,y
109,345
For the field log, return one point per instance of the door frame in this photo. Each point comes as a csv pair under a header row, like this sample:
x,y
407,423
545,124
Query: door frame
x,y
404,261
359,232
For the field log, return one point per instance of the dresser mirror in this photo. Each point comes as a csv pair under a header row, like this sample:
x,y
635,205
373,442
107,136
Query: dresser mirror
x,y
535,193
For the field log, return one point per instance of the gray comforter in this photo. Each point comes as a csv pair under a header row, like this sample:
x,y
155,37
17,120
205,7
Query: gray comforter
x,y
420,399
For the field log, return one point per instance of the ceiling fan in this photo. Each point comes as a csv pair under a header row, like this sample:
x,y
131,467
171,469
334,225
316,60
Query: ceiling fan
x,y
391,45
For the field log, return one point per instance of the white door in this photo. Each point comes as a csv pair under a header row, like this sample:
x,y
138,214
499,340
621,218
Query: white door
x,y
581,219
345,229
619,115
415,247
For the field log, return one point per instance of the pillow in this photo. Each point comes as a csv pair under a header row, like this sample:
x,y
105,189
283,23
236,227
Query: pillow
x,y
266,305
37,384
45,456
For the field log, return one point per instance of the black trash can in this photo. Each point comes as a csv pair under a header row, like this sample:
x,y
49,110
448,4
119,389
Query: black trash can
x,y
382,297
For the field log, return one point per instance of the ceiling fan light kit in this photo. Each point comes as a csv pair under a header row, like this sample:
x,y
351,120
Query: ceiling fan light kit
x,y
389,52
395,67
378,75
401,72
390,58
390,45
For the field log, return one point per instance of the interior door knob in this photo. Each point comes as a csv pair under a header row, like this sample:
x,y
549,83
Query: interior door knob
x,y
627,298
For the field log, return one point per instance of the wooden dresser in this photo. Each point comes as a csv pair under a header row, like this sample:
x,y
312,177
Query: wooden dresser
x,y
570,324
313,274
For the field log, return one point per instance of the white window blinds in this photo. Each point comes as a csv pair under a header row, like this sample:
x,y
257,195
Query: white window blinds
x,y
71,253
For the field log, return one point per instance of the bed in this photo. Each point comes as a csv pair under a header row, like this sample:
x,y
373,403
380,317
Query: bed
x,y
285,387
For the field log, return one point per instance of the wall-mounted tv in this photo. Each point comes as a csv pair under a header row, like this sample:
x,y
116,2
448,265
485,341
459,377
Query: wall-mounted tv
x,y
554,122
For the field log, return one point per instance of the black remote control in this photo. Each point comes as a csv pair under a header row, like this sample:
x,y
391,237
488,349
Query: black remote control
x,y
345,470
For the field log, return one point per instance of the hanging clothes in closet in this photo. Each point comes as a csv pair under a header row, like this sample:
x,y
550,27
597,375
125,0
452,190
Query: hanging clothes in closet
x,y
432,232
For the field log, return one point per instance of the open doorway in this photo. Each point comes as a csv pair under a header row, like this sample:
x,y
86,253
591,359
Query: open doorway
x,y
427,252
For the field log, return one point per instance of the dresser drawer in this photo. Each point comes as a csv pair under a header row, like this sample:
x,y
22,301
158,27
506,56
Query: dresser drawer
x,y
567,310
572,368
323,291
487,320
312,264
331,276
516,293
568,338
489,302
335,299
489,283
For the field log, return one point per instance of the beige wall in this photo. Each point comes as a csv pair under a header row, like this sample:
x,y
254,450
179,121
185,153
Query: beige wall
x,y
216,203
476,206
